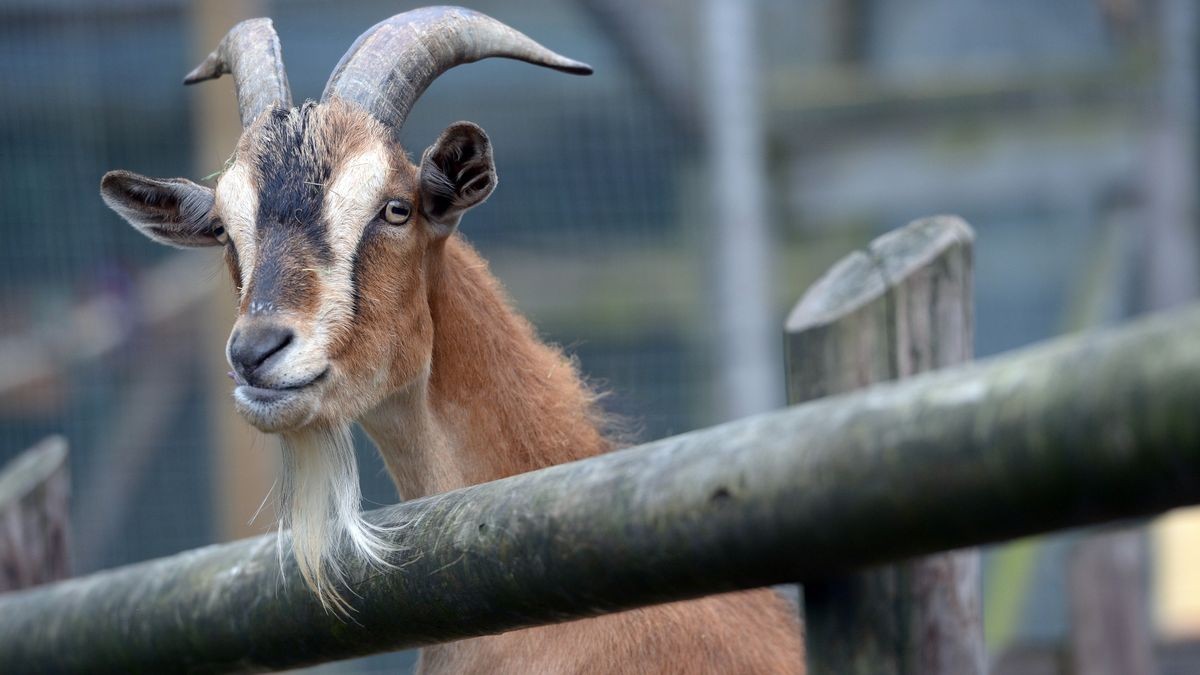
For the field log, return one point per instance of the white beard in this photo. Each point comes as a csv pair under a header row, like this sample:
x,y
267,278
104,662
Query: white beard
x,y
319,500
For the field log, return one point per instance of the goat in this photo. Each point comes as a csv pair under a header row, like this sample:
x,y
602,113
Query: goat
x,y
358,302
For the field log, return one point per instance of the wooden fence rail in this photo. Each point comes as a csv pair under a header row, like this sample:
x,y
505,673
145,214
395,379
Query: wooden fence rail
x,y
1082,430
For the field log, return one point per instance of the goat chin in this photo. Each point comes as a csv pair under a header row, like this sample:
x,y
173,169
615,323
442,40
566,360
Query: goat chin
x,y
319,500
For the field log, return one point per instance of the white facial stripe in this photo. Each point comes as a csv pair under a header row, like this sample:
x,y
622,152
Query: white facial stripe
x,y
351,200
237,204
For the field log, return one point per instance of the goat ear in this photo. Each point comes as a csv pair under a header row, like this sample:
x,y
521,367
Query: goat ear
x,y
173,211
457,173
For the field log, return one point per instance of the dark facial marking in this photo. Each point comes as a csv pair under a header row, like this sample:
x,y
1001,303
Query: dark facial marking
x,y
369,234
282,278
293,170
235,266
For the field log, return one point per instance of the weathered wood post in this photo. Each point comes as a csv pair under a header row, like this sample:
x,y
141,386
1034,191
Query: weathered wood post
x,y
901,307
1110,630
34,513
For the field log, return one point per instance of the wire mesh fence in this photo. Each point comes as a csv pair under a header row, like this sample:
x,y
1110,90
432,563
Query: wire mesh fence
x,y
1031,121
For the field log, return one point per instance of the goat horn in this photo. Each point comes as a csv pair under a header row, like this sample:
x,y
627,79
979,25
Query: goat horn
x,y
250,52
388,68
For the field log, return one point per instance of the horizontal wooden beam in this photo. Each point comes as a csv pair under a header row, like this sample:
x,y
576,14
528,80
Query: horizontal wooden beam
x,y
1082,430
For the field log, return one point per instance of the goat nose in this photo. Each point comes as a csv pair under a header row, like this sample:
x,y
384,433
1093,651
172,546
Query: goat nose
x,y
253,345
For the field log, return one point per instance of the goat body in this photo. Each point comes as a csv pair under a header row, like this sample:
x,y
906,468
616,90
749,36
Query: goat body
x,y
359,301
501,402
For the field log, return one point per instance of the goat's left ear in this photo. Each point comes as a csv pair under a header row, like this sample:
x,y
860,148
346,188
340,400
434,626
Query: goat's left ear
x,y
172,211
457,173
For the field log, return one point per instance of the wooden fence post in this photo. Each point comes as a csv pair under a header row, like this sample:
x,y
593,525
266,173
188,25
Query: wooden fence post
x,y
241,477
901,307
1110,630
34,514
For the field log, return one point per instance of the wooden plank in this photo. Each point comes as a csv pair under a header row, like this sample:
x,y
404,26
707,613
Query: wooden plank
x,y
245,461
34,516
899,308
1108,573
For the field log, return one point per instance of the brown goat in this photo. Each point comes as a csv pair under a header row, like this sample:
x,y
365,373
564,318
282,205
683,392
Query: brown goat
x,y
359,302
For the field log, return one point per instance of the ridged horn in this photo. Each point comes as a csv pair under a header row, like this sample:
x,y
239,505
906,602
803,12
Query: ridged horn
x,y
388,67
250,51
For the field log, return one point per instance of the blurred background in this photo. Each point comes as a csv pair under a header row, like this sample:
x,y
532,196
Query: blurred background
x,y
657,220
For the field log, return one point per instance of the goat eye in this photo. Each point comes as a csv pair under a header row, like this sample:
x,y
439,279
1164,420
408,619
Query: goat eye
x,y
220,235
397,212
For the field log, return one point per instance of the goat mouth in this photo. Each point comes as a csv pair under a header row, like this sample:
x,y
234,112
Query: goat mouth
x,y
271,394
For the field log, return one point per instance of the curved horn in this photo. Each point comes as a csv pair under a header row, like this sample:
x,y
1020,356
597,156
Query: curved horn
x,y
250,51
390,66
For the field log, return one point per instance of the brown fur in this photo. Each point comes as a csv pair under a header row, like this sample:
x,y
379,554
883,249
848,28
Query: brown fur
x,y
495,381
745,633
517,405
